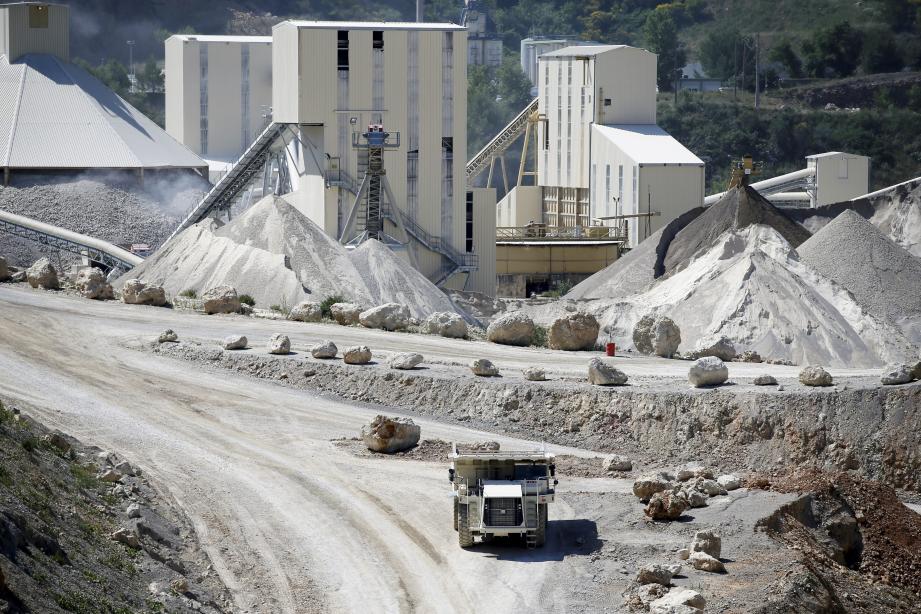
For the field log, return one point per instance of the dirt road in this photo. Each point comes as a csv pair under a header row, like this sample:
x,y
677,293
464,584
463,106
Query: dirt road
x,y
294,524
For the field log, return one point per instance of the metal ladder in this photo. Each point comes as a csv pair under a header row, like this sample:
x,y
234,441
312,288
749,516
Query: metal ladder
x,y
532,519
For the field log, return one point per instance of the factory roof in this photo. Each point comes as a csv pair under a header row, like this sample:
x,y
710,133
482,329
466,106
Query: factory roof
x,y
584,51
208,38
834,154
56,115
371,25
648,144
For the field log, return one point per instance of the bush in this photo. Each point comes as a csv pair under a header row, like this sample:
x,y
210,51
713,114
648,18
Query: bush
x,y
539,336
246,299
189,293
328,302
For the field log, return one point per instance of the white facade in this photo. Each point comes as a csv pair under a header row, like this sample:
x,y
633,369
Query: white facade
x,y
34,27
334,79
839,177
218,93
641,169
533,48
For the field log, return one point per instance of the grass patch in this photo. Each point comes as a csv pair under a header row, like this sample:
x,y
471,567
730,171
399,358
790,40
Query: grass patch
x,y
328,302
76,602
189,293
85,477
5,478
30,444
246,299
539,336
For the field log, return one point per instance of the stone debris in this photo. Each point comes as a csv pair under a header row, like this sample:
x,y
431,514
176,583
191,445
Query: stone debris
x,y
678,600
324,349
133,511
43,275
446,324
639,597
126,537
136,292
707,541
5,273
110,475
573,332
709,487
234,342
346,314
91,283
306,311
535,374
728,482
356,355
390,316
405,361
705,562
654,573
390,434
168,336
765,380
695,497
708,371
19,276
601,373
656,335
646,486
687,471
484,368
683,553
749,356
815,376
896,374
279,344
511,329
617,462
666,505
723,348
220,299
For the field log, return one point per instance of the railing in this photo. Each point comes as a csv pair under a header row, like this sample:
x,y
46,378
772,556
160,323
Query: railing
x,y
542,232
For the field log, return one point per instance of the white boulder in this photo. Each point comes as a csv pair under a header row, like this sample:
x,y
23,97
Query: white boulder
x,y
815,376
356,355
389,435
324,349
573,331
616,462
708,371
279,344
91,283
220,299
656,335
728,481
654,573
390,316
136,292
646,486
678,600
234,342
43,275
896,374
602,373
707,541
534,374
723,348
306,311
765,380
168,336
345,314
705,562
405,361
484,368
446,324
511,329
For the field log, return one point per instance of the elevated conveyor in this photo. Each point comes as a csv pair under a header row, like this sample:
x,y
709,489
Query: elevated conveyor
x,y
804,179
500,143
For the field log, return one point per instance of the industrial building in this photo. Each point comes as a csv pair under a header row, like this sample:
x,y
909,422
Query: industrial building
x,y
484,46
54,116
218,94
535,46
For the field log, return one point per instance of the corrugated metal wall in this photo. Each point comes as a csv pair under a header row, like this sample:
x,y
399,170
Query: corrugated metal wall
x,y
20,38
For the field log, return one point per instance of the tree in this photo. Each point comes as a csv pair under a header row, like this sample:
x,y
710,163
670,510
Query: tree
x,y
721,52
880,52
150,78
662,39
783,54
834,51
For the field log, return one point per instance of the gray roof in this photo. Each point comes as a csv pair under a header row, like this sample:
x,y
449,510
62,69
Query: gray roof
x,y
54,114
584,51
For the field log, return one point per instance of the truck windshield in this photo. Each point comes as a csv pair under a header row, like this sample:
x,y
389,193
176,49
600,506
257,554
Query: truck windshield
x,y
530,472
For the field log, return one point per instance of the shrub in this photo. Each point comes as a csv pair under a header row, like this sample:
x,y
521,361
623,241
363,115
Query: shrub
x,y
328,302
246,299
539,336
189,293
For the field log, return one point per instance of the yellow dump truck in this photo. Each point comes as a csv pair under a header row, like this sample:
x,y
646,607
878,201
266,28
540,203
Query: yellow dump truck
x,y
501,493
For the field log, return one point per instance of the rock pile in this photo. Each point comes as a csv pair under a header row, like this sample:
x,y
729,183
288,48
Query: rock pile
x,y
91,283
43,275
136,292
390,434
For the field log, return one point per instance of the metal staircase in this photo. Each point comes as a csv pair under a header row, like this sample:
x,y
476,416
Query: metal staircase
x,y
237,179
532,519
500,143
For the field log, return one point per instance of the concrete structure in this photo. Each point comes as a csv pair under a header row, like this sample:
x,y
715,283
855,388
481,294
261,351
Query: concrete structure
x,y
695,79
218,93
56,116
528,266
533,47
484,46
331,80
839,177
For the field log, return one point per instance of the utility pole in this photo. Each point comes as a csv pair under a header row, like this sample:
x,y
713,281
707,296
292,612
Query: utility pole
x,y
735,72
420,6
757,71
131,76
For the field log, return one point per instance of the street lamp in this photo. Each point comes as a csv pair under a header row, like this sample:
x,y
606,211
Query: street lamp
x,y
131,75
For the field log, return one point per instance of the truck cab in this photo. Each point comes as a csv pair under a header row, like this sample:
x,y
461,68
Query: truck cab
x,y
501,493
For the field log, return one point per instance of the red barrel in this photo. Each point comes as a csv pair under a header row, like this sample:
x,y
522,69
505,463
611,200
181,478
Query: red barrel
x,y
610,348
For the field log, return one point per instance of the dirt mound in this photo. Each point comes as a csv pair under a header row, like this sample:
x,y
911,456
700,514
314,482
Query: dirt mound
x,y
739,208
884,278
857,539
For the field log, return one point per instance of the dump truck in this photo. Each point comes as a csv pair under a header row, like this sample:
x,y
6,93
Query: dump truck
x,y
501,493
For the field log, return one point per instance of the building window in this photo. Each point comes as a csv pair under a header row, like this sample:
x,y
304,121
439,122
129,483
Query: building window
x,y
38,16
342,47
469,223
607,102
377,39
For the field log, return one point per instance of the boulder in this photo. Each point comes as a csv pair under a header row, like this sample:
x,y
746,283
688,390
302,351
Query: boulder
x,y
723,348
110,475
656,335
168,336
654,573
126,468
126,537
573,331
279,344
617,462
446,324
603,373
728,482
896,374
136,292
133,511
484,368
692,470
765,380
324,349
345,314
19,276
59,441
666,505
707,541
389,435
220,299
43,275
357,355
390,316
708,371
815,376
710,487
306,311
695,497
4,269
234,342
678,600
639,597
646,486
684,553
511,329
405,361
749,356
705,562
535,374
91,283
916,371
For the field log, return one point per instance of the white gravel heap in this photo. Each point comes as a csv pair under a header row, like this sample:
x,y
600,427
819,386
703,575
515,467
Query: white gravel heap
x,y
884,278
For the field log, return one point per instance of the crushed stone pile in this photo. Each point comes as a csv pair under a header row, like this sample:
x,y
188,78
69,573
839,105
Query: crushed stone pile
x,y
280,257
883,277
112,209
739,208
751,287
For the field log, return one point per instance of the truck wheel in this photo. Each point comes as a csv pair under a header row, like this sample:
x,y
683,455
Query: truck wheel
x,y
464,536
456,504
541,525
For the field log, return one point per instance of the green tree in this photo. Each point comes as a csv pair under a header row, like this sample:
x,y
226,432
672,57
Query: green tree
x,y
721,52
662,39
150,77
880,52
783,54
834,51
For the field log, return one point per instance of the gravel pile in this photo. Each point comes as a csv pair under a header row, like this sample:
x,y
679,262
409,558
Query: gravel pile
x,y
884,278
113,210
